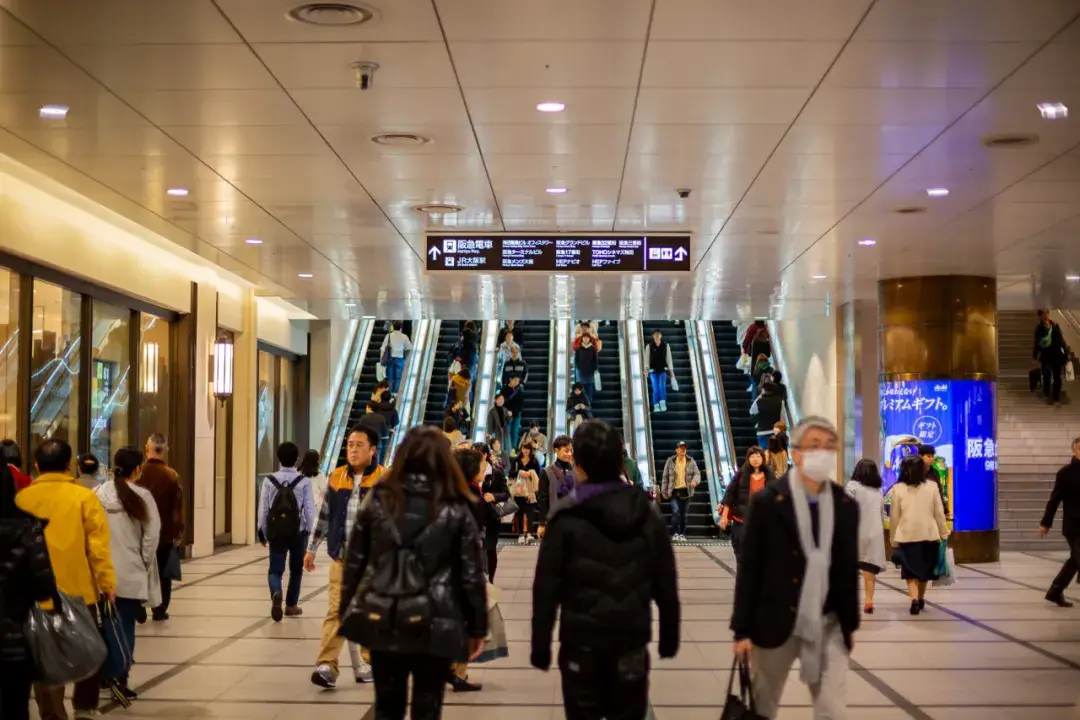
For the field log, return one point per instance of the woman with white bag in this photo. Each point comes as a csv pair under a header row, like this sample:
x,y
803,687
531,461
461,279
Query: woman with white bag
x,y
865,487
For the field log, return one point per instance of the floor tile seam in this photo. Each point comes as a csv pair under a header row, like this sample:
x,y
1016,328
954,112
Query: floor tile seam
x,y
1030,645
217,647
864,641
476,701
185,585
1009,580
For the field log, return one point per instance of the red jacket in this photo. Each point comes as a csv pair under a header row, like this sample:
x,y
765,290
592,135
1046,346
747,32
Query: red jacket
x,y
22,480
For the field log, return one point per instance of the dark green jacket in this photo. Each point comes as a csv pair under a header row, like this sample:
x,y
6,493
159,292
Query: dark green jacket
x,y
632,472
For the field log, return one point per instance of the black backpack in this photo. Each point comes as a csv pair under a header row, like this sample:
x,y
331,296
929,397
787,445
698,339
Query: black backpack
x,y
283,520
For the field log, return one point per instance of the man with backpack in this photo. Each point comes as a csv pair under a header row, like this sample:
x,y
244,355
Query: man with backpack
x,y
286,518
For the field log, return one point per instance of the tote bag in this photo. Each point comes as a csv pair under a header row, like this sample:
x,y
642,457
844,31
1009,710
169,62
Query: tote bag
x,y
741,706
66,644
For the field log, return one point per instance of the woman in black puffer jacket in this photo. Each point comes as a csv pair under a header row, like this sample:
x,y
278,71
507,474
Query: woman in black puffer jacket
x,y
421,511
25,577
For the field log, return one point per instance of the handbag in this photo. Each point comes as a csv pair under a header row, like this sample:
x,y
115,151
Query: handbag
x,y
946,567
118,648
496,645
741,706
65,643
172,566
506,508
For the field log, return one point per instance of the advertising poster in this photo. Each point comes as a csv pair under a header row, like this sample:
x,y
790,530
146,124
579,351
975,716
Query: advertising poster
x,y
957,417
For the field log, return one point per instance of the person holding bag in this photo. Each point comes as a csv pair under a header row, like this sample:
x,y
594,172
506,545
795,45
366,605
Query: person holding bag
x,y
414,586
494,493
134,531
26,577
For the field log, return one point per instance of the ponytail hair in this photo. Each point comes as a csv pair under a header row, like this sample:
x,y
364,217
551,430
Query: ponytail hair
x,y
126,462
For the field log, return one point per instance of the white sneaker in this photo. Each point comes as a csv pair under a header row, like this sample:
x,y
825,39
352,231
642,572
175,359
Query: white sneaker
x,y
663,406
324,676
363,674
529,539
656,408
522,540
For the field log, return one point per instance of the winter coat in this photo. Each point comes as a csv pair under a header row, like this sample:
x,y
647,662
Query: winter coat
x,y
540,442
605,558
572,402
770,408
26,577
693,476
1050,346
77,535
556,482
1067,491
164,484
871,523
586,359
631,471
133,545
498,420
515,367
459,386
737,495
514,399
448,547
494,483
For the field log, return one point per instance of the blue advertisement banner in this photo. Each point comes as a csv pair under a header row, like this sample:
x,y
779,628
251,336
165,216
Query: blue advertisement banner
x,y
957,417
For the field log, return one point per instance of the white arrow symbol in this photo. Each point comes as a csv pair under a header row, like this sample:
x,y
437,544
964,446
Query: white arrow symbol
x,y
680,253
434,252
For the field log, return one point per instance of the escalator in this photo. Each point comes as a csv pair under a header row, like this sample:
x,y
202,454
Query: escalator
x,y
736,389
536,350
607,403
365,384
435,408
680,422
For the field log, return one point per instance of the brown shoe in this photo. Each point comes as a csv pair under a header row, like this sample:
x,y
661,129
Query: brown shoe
x,y
294,611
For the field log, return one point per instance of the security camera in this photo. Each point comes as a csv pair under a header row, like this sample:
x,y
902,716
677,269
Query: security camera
x,y
365,74
683,192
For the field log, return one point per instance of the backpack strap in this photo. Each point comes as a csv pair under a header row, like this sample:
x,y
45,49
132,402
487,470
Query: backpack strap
x,y
274,481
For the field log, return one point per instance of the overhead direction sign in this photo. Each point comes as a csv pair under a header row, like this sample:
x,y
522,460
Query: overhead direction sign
x,y
559,253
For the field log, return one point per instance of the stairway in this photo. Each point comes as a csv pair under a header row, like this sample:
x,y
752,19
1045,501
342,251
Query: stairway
x,y
536,350
1033,440
607,403
736,390
435,408
366,383
680,422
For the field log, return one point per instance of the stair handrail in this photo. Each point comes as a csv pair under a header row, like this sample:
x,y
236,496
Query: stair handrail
x,y
424,376
344,393
625,393
709,409
406,400
484,385
727,434
638,380
558,377
791,407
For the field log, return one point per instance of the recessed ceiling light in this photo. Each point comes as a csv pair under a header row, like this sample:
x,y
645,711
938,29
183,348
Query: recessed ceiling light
x,y
1073,278
331,14
556,190
1053,110
350,304
177,192
937,192
867,242
819,277
397,139
438,208
53,112
306,276
551,107
253,241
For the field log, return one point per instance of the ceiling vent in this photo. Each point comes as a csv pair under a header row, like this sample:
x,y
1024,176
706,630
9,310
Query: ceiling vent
x,y
400,140
1009,141
437,208
910,209
331,14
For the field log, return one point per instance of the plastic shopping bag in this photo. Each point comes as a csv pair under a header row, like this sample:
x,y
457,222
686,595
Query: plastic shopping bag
x,y
744,363
380,372
596,381
674,384
65,643
495,644
946,569
1070,372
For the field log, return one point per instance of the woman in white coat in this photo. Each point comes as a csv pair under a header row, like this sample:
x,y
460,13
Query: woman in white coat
x,y
865,487
134,529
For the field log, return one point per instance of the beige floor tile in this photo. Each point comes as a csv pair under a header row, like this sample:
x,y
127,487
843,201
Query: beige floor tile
x,y
1039,629
945,657
996,712
168,650
277,684
984,687
198,683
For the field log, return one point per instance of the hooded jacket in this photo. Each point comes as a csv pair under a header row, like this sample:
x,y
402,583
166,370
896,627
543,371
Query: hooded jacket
x,y
605,558
448,546
133,544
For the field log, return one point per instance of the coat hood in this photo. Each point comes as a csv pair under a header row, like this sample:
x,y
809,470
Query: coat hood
x,y
616,509
110,499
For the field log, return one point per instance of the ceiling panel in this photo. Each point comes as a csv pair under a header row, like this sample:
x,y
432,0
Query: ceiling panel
x,y
172,67
514,20
967,21
926,64
735,64
329,65
799,20
728,106
261,21
215,107
270,139
124,22
552,65
889,106
491,106
388,106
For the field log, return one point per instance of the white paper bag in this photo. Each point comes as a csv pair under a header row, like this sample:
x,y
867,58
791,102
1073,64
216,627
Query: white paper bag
x,y
674,384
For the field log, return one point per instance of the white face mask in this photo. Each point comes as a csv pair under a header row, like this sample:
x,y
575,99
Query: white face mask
x,y
819,464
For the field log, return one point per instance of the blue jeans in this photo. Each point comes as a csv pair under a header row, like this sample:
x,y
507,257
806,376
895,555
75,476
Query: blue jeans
x,y
127,610
394,372
658,379
295,555
679,507
588,384
513,432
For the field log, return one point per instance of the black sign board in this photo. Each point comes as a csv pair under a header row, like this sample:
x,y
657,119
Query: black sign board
x,y
559,253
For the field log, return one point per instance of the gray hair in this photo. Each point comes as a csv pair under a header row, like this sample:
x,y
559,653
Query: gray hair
x,y
812,422
1076,441
157,443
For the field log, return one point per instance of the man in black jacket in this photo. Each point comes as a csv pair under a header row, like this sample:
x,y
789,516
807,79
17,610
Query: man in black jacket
x,y
556,481
795,591
1066,490
1050,353
604,560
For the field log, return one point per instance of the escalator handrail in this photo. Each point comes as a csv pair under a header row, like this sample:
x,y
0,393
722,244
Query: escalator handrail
x,y
728,434
705,419
624,392
345,395
636,329
424,377
424,345
791,407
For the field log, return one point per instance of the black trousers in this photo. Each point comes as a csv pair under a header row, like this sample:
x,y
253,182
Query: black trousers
x,y
492,556
392,671
15,683
1051,380
736,539
598,684
1069,569
166,585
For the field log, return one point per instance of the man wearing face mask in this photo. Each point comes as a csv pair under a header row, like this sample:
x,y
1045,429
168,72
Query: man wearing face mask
x,y
795,591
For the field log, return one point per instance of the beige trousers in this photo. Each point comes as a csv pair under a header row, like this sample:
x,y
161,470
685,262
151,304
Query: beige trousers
x,y
330,649
769,669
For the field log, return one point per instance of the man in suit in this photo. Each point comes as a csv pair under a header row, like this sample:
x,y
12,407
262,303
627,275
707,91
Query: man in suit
x,y
1066,490
795,591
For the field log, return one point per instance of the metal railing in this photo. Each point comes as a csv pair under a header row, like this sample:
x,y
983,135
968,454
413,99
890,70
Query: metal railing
x,y
791,406
558,377
344,394
638,383
425,344
423,377
484,385
716,440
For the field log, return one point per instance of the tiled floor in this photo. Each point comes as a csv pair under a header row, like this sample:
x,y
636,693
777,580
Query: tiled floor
x,y
988,647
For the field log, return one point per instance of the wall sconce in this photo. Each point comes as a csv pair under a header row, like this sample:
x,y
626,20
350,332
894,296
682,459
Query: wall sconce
x,y
221,375
149,384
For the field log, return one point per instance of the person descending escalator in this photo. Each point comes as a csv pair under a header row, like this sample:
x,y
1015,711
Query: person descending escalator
x,y
660,369
586,358
578,407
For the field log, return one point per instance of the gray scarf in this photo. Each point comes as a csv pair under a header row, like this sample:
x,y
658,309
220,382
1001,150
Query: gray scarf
x,y
810,622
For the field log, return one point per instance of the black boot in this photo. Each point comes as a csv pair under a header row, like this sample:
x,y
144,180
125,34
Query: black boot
x,y
1058,598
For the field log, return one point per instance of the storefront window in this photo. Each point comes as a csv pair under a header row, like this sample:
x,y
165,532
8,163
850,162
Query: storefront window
x,y
9,353
265,461
154,386
110,380
286,388
54,364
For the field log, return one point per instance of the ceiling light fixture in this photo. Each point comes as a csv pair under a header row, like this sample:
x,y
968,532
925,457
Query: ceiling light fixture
x,y
306,276
253,241
177,192
53,112
400,139
819,277
868,242
937,192
438,208
331,14
551,107
350,304
1073,278
555,190
1053,110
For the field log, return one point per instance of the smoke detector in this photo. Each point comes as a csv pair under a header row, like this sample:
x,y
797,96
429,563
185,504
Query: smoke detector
x,y
331,14
1010,140
438,208
394,139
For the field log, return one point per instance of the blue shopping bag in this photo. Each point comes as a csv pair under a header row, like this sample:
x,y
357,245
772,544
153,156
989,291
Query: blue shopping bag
x,y
117,663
